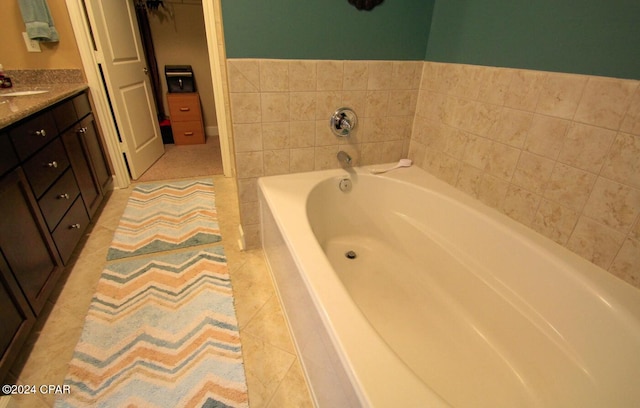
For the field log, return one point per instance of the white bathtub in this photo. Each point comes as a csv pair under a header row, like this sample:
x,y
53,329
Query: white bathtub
x,y
447,302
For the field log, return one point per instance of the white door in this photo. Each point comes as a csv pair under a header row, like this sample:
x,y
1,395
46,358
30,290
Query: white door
x,y
120,54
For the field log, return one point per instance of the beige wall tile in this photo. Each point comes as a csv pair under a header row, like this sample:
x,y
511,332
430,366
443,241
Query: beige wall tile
x,y
586,147
380,75
502,161
560,94
276,162
569,186
623,162
555,221
511,127
327,102
595,242
249,164
330,75
495,85
248,189
245,108
356,101
492,191
546,136
520,204
626,264
524,90
274,75
302,133
356,75
247,137
605,102
275,107
244,75
303,106
532,172
377,104
402,103
302,75
406,74
631,121
302,159
275,135
614,205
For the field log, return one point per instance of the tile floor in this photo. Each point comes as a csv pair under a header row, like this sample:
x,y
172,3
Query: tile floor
x,y
274,375
181,161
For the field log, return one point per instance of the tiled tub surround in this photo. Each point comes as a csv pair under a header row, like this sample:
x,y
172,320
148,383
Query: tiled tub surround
x,y
559,153
281,109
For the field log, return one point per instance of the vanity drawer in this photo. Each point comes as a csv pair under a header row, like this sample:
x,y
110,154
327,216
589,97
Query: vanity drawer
x,y
190,132
70,230
58,199
30,136
64,115
8,158
184,107
82,105
46,166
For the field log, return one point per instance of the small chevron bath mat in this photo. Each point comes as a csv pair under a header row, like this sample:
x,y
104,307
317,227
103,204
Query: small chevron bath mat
x,y
160,332
160,217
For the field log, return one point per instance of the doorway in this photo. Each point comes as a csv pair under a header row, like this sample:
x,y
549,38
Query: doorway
x,y
84,38
179,38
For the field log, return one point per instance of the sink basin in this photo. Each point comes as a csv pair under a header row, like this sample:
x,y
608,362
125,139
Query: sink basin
x,y
24,93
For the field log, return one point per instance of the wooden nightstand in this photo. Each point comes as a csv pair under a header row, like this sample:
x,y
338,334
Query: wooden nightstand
x,y
186,118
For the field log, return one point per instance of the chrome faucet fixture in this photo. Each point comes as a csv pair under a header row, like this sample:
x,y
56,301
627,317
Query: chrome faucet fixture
x,y
344,158
343,121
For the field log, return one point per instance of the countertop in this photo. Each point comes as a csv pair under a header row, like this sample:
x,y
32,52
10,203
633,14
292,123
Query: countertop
x,y
15,108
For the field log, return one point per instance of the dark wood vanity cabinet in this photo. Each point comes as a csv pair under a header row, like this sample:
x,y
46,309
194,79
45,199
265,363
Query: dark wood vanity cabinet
x,y
53,178
15,314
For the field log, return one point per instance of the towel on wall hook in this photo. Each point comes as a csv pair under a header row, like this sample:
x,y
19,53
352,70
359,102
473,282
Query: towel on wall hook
x,y
38,21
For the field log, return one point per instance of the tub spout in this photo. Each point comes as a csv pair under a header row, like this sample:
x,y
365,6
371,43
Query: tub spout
x,y
344,158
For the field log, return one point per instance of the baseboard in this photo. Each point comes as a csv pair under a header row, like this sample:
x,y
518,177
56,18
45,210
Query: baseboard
x,y
209,131
241,242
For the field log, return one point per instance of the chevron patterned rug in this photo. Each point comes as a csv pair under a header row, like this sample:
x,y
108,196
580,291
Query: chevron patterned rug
x,y
160,217
161,331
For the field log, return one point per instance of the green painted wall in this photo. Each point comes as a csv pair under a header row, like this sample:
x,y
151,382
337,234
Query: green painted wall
x,y
598,37
326,29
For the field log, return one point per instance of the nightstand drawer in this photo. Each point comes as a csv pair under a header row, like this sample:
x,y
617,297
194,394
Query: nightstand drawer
x,y
188,132
184,107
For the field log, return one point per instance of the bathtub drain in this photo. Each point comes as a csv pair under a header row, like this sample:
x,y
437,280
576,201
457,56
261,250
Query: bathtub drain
x,y
351,255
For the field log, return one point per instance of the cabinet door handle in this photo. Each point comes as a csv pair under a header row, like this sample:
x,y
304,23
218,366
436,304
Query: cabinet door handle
x,y
74,226
53,164
185,109
82,130
188,133
41,132
64,195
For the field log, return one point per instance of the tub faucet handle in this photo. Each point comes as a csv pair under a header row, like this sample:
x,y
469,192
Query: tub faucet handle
x,y
343,121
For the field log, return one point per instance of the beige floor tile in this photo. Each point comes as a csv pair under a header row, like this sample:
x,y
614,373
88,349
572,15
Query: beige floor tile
x,y
252,288
269,325
293,391
265,366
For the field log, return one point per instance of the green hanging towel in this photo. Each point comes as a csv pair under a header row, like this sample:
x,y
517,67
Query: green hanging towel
x,y
38,21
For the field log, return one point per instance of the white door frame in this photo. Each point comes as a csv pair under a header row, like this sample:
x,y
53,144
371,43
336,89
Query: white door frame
x,y
101,101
